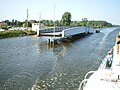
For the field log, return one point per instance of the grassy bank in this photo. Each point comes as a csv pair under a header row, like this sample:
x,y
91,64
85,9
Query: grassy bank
x,y
16,33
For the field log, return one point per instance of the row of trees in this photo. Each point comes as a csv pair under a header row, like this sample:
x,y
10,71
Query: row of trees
x,y
92,23
65,21
15,23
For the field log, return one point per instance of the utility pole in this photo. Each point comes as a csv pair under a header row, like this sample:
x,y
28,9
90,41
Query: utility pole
x,y
45,19
54,21
38,33
40,20
27,18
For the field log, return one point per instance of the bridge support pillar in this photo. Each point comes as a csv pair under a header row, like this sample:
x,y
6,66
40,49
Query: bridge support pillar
x,y
51,42
38,32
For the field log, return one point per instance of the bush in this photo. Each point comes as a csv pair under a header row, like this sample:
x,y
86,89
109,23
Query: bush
x,y
4,27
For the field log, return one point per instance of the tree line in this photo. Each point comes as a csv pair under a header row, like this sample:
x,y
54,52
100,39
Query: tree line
x,y
65,21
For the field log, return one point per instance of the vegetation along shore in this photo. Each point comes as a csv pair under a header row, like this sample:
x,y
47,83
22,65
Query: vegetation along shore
x,y
7,27
16,33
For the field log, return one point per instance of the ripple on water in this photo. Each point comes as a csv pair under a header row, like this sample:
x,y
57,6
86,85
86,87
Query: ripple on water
x,y
25,59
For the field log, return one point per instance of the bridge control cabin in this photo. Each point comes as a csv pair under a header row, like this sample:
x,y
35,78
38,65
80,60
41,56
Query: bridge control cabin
x,y
35,26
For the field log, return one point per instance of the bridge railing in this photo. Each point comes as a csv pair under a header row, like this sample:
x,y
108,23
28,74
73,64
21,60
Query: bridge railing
x,y
76,30
57,29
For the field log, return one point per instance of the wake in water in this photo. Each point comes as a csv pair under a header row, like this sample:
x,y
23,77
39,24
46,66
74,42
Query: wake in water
x,y
106,32
54,77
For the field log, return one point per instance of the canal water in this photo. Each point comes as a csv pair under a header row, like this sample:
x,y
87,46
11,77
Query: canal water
x,y
27,63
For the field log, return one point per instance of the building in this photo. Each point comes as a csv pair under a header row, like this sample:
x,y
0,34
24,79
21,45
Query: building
x,y
35,26
3,24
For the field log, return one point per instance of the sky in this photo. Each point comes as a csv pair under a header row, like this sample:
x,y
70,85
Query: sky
x,y
107,10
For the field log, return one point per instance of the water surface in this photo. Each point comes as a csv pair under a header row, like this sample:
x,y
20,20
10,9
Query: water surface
x,y
27,62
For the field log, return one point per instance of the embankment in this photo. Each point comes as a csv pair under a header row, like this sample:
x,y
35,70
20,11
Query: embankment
x,y
16,33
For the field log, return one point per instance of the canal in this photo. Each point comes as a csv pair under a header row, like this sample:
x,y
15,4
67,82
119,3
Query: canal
x,y
28,63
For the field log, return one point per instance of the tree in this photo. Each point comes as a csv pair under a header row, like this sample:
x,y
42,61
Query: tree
x,y
8,22
47,23
75,23
57,23
13,22
19,24
25,24
66,19
51,23
84,22
99,24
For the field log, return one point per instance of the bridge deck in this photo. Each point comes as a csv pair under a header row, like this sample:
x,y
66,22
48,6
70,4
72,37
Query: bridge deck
x,y
66,32
52,34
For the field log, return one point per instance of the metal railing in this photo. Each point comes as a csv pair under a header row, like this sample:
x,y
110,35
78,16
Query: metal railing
x,y
83,83
57,29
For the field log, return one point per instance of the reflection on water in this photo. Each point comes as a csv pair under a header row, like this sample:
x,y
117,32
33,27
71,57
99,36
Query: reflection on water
x,y
27,62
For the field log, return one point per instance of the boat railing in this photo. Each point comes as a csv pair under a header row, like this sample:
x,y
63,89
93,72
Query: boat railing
x,y
83,83
90,72
103,64
106,63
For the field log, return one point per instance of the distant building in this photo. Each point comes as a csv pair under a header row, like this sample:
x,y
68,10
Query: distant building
x,y
3,24
35,26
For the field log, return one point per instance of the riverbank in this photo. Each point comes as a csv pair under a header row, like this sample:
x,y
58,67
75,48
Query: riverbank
x,y
16,33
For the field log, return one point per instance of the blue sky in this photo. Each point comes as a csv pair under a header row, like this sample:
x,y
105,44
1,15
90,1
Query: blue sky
x,y
108,10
